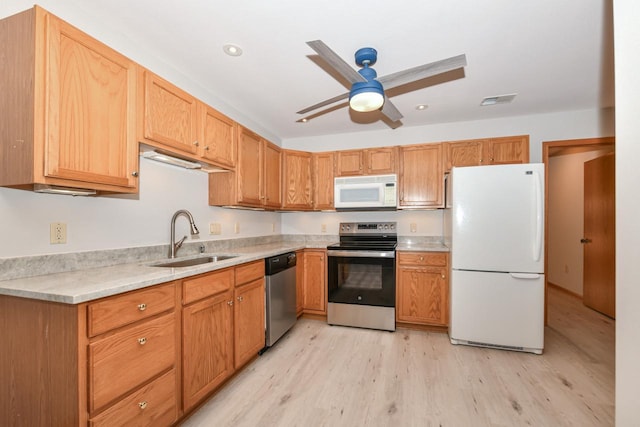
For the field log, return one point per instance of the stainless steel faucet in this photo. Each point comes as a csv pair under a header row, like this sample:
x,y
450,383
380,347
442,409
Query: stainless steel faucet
x,y
173,246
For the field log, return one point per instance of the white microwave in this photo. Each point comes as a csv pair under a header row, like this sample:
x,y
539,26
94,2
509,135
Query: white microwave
x,y
371,192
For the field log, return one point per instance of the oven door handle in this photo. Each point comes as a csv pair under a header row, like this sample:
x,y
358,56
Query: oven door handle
x,y
362,254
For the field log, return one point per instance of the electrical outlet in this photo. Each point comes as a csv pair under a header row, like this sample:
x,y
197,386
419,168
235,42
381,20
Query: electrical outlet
x,y
413,227
236,228
215,228
58,233
323,228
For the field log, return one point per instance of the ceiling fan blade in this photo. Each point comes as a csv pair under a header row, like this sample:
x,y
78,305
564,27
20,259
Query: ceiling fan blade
x,y
325,103
422,71
336,62
390,110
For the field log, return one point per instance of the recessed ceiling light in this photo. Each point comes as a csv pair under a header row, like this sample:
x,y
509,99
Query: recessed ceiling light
x,y
305,120
498,99
232,50
421,107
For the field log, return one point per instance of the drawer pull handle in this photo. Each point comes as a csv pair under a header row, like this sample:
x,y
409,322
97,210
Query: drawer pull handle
x,y
142,307
142,404
142,341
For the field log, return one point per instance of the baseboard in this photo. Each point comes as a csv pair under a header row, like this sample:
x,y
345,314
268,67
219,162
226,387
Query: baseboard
x,y
566,291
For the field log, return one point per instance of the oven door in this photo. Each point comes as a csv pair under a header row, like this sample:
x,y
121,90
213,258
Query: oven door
x,y
362,277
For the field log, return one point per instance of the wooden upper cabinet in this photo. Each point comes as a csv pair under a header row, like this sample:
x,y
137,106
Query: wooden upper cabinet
x,y
218,139
169,115
67,107
380,161
372,161
463,153
272,197
250,168
421,176
297,180
507,150
489,151
323,184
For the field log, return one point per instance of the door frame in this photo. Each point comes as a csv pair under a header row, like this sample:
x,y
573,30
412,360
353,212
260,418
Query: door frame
x,y
591,143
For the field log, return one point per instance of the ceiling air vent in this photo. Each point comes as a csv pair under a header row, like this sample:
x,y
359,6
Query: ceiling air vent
x,y
498,99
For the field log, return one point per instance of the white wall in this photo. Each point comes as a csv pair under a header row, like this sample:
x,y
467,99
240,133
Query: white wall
x,y
122,221
626,14
566,219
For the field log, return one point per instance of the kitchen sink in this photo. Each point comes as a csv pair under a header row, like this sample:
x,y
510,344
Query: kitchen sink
x,y
194,261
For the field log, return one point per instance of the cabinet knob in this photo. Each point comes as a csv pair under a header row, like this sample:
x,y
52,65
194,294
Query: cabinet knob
x,y
240,298
142,341
142,404
206,147
134,174
443,275
142,307
230,303
196,143
421,258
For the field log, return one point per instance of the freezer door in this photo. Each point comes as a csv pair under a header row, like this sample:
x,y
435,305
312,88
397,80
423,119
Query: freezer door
x,y
498,218
498,310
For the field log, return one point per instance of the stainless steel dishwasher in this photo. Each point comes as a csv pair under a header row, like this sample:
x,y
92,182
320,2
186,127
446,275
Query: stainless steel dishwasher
x,y
280,275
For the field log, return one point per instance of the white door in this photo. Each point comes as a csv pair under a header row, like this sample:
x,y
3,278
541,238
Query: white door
x,y
498,218
497,309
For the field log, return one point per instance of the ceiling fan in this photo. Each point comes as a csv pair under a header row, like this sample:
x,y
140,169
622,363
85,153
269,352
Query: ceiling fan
x,y
367,89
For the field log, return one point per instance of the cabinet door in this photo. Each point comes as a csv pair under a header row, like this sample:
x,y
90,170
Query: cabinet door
x,y
90,100
218,139
502,151
421,176
349,163
323,184
170,115
422,295
207,346
299,282
272,175
381,161
297,180
315,282
250,168
463,153
248,321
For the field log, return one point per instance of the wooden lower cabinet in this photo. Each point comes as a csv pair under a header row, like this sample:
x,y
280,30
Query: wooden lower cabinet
x,y
248,318
207,346
299,282
422,288
315,281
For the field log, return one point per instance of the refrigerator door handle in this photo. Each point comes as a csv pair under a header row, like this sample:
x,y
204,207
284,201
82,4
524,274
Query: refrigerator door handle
x,y
526,276
539,217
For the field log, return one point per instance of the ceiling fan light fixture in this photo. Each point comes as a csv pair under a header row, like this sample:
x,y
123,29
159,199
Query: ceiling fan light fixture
x,y
366,96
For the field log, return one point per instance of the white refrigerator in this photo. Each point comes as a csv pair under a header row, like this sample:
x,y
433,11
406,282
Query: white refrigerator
x,y
495,229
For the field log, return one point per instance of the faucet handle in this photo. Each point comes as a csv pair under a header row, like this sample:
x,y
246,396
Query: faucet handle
x,y
179,243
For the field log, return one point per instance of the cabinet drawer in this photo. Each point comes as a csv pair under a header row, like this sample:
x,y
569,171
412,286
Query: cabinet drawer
x,y
123,361
152,405
251,271
121,310
422,258
206,285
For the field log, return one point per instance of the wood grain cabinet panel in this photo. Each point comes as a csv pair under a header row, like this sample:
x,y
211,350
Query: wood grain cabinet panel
x,y
422,288
297,180
121,362
349,162
111,313
486,152
207,346
323,165
315,281
206,285
152,405
299,282
381,161
421,180
68,106
248,320
272,170
218,140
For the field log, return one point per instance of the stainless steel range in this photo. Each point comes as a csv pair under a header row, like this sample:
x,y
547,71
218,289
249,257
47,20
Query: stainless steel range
x,y
361,276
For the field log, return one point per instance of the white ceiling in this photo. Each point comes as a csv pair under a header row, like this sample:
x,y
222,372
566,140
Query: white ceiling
x,y
556,55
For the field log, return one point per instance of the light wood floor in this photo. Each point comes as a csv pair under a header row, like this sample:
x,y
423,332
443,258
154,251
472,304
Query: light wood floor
x,y
320,375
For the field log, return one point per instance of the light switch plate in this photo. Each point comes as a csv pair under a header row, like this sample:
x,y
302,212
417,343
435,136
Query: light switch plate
x,y
413,227
215,228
